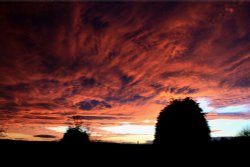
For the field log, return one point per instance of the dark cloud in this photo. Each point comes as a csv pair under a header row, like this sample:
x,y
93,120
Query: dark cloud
x,y
167,75
49,15
93,104
126,79
9,107
40,117
185,73
93,19
63,113
40,105
186,90
182,90
136,98
232,82
93,117
157,86
128,99
45,136
47,106
232,114
6,96
87,82
243,82
50,64
63,103
162,102
236,61
118,115
60,100
21,87
97,23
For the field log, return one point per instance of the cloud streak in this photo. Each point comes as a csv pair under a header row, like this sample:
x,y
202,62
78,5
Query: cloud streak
x,y
45,136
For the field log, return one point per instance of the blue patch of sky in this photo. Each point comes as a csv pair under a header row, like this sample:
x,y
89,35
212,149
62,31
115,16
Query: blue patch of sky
x,y
232,109
204,103
227,127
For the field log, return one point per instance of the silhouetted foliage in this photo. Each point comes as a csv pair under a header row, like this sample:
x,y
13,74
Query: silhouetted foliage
x,y
244,132
182,122
75,135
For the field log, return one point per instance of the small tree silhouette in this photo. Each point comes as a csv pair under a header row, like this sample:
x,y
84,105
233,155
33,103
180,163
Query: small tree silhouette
x,y
75,135
182,122
244,132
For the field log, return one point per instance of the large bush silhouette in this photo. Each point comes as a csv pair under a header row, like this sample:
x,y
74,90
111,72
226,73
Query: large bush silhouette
x,y
182,122
75,135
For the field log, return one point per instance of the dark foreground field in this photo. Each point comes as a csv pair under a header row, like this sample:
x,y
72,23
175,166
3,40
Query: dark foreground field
x,y
103,153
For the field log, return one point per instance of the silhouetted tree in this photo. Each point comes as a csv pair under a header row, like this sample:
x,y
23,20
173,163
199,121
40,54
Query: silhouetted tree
x,y
182,122
75,135
244,132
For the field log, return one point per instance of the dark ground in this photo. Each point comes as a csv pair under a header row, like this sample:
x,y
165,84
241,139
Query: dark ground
x,y
24,152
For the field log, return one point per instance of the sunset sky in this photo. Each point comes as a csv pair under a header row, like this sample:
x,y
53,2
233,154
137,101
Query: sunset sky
x,y
114,66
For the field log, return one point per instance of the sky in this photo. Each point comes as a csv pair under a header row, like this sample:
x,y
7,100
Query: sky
x,y
111,67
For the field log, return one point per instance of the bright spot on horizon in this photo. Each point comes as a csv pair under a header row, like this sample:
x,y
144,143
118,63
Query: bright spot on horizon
x,y
131,139
131,129
60,129
147,121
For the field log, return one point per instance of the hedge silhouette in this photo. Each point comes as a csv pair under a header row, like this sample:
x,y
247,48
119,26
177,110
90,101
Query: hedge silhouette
x,y
182,122
75,135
